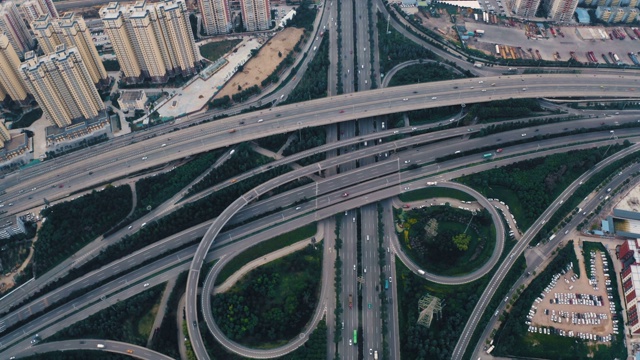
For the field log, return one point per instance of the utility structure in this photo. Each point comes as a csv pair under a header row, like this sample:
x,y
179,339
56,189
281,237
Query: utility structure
x,y
429,306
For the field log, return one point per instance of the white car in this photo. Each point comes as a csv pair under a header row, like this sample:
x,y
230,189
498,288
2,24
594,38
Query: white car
x,y
407,161
433,98
144,158
146,284
163,145
405,99
523,135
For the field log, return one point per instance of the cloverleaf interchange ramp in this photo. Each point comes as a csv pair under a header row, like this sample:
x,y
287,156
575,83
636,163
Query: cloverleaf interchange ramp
x,y
352,203
205,244
145,141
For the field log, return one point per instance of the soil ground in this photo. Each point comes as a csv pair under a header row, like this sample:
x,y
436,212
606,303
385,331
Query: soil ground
x,y
580,286
262,65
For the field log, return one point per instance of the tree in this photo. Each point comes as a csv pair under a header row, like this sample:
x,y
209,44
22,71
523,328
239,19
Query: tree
x,y
279,53
462,241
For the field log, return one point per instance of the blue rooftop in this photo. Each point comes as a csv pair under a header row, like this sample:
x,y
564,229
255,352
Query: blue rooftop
x,y
583,18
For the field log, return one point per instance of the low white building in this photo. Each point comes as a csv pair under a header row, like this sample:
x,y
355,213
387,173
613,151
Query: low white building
x,y
132,100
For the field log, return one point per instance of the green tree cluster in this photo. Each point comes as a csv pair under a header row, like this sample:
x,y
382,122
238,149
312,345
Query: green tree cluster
x,y
394,48
307,138
304,17
421,73
537,182
70,225
314,83
418,342
117,322
272,303
242,160
246,93
461,241
154,190
499,110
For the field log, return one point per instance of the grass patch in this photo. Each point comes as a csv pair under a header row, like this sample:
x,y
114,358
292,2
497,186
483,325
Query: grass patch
x,y
435,192
165,340
215,50
146,322
263,248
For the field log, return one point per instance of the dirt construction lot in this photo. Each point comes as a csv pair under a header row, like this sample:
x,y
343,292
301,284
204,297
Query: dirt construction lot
x,y
580,286
262,65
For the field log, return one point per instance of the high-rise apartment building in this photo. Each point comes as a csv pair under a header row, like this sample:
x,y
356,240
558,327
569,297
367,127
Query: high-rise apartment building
x,y
115,27
13,26
33,9
62,86
256,14
216,17
10,82
560,10
151,41
4,134
72,31
524,8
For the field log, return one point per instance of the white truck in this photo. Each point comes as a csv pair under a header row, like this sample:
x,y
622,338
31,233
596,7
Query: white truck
x,y
432,183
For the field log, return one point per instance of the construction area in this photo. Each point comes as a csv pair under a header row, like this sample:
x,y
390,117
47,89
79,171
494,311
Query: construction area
x,y
259,67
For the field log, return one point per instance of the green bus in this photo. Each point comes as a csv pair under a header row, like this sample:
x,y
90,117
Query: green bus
x,y
487,156
355,337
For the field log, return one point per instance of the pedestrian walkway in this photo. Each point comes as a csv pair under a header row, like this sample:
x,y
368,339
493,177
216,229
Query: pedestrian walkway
x,y
233,279
161,310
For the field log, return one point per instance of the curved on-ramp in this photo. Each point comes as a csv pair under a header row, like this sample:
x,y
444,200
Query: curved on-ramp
x,y
476,274
111,346
207,241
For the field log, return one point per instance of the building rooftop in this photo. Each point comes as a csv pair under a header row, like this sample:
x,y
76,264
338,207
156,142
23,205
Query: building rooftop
x,y
132,95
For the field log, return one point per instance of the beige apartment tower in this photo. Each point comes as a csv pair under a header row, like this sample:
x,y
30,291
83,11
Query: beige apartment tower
x,y
13,26
560,10
10,82
62,86
151,41
71,31
256,14
524,8
33,9
216,17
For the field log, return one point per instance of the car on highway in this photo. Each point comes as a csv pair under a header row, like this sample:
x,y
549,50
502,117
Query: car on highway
x,y
163,145
405,99
194,324
345,194
350,342
341,111
524,89
407,161
130,227
414,128
146,285
370,351
484,90
129,351
354,267
433,98
298,208
523,135
395,132
383,124
144,158
260,120
143,225
369,305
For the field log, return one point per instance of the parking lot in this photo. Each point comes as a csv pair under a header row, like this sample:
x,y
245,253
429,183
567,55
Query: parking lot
x,y
577,307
